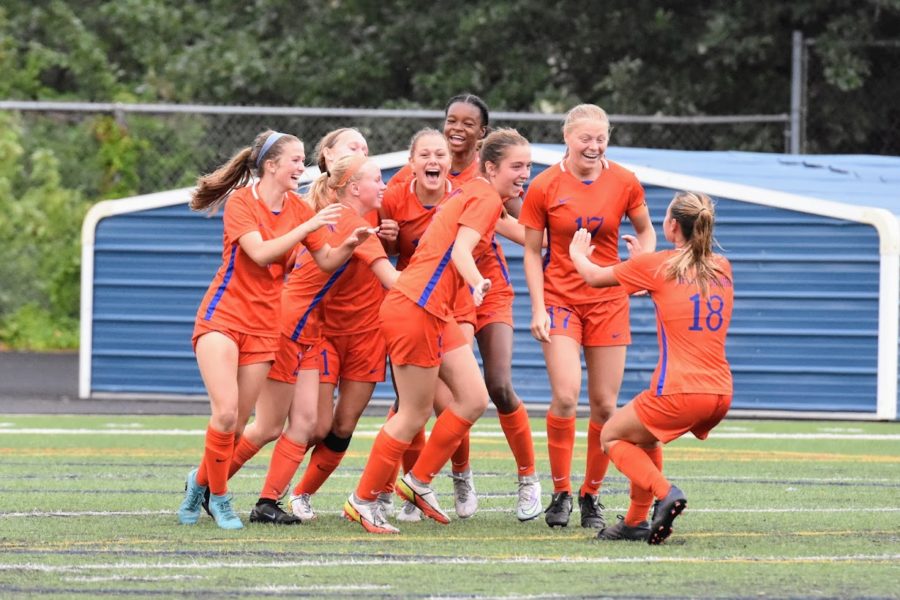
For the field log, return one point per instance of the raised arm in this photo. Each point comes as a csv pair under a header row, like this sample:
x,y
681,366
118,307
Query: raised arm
x,y
264,252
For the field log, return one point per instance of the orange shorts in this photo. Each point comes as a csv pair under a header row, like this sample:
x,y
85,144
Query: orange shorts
x,y
413,335
671,416
464,307
496,308
293,357
252,349
597,324
354,356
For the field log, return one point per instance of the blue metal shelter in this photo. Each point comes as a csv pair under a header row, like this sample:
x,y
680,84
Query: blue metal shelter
x,y
814,241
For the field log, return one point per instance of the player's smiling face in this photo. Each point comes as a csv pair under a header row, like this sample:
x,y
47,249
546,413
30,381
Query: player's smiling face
x,y
587,141
370,186
430,161
463,127
510,176
288,167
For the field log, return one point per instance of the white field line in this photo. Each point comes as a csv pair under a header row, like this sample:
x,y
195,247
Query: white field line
x,y
152,513
476,434
380,561
95,579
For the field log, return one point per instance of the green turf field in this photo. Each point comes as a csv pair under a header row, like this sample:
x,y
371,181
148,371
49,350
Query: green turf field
x,y
776,509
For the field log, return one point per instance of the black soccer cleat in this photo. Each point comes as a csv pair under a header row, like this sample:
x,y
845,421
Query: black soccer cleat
x,y
621,531
270,512
591,511
557,514
669,507
205,502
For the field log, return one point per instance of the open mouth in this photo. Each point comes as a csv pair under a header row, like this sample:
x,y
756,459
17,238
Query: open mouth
x,y
432,176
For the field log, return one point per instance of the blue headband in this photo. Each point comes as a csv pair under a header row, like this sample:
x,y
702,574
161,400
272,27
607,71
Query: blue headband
x,y
274,137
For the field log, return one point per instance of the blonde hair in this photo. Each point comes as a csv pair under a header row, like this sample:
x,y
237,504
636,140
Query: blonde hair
x,y
344,171
317,196
695,214
214,188
583,112
424,132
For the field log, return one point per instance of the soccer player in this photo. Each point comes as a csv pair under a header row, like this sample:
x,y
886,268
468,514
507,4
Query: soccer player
x,y
466,122
691,388
292,388
235,334
584,190
424,341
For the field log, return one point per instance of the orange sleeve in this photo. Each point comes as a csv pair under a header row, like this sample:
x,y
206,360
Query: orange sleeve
x,y
534,210
400,178
641,272
481,213
238,218
315,239
636,195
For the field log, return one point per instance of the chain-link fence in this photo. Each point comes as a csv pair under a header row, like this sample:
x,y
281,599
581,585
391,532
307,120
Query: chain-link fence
x,y
170,145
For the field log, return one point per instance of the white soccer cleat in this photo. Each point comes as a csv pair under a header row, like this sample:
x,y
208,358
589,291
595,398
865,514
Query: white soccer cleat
x,y
302,509
528,506
464,494
409,513
420,494
368,514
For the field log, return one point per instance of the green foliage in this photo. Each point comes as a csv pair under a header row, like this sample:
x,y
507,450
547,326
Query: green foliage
x,y
31,327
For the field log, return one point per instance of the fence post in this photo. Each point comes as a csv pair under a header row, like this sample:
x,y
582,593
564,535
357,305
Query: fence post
x,y
798,77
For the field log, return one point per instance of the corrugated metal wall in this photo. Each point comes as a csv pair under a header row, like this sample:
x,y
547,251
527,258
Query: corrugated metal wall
x,y
803,336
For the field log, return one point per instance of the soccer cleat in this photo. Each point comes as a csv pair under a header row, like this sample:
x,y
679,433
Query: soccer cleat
x,y
464,494
223,513
591,511
302,509
386,499
621,531
189,511
409,488
368,514
557,514
271,512
669,507
528,507
409,513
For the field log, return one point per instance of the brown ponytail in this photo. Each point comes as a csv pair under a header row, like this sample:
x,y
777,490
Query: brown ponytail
x,y
695,214
214,188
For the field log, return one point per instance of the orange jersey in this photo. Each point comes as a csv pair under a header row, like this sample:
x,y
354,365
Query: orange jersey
x,y
401,204
562,204
356,296
307,285
402,177
691,329
492,265
244,296
430,280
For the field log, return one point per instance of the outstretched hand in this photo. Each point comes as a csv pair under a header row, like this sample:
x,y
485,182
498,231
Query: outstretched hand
x,y
327,216
359,235
634,245
581,244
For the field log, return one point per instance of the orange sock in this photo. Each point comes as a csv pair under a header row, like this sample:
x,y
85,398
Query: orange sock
x,y
638,467
286,458
244,450
560,446
414,450
517,429
216,457
641,499
459,462
322,464
597,461
381,466
449,429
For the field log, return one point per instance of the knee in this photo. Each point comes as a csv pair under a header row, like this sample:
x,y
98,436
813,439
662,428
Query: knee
x,y
342,428
602,412
503,396
566,400
225,421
